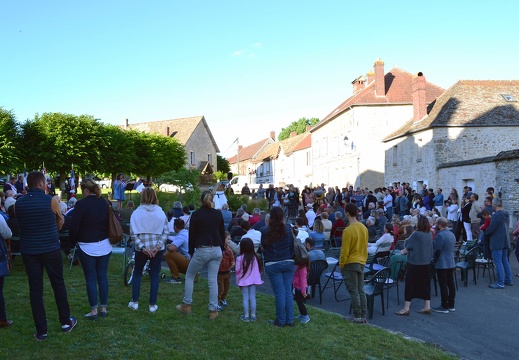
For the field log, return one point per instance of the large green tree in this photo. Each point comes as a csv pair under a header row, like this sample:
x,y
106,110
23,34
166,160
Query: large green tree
x,y
222,164
9,142
298,126
118,151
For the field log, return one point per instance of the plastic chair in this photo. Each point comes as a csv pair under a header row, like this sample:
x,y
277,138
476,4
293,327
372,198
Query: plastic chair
x,y
393,280
433,276
374,288
317,268
468,263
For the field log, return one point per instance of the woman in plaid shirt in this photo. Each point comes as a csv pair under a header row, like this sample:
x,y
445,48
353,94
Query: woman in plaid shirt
x,y
149,229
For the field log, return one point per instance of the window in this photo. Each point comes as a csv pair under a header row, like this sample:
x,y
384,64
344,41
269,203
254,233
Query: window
x,y
209,158
419,151
395,155
192,158
308,158
508,97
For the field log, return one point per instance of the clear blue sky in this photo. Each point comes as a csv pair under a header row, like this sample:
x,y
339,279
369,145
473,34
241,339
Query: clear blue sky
x,y
248,66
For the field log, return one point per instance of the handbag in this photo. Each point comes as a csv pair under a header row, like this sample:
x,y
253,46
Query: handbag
x,y
4,258
115,231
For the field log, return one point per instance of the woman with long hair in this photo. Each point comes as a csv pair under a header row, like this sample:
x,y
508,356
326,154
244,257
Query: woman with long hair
x,y
149,231
89,229
419,250
206,244
119,188
318,234
278,252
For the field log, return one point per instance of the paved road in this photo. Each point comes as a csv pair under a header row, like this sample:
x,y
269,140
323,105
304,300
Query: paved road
x,y
484,325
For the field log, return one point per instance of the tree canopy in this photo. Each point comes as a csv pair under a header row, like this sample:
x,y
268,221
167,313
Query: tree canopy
x,y
298,126
9,141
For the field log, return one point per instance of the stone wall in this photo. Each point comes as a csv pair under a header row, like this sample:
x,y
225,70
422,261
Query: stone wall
x,y
200,142
507,177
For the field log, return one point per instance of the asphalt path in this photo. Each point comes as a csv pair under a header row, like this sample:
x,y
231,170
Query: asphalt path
x,y
484,325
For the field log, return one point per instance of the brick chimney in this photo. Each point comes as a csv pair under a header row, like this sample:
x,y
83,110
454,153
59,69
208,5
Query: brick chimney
x,y
308,127
273,135
418,90
380,85
293,133
371,77
358,84
126,123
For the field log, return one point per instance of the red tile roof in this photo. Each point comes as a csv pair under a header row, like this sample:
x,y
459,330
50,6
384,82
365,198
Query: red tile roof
x,y
248,152
469,103
305,143
398,84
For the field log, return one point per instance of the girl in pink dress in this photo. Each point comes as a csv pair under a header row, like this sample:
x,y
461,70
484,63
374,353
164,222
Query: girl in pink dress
x,y
248,275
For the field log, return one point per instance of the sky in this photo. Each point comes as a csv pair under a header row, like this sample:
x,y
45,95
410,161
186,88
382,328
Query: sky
x,y
249,67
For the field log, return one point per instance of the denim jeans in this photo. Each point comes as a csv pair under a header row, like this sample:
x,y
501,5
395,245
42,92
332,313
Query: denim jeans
x,y
249,296
389,213
212,256
155,265
95,269
503,269
281,275
447,287
353,275
3,315
53,264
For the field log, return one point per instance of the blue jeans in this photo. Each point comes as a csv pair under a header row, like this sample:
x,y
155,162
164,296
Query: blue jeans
x,y
281,275
212,256
389,213
95,269
155,265
3,315
503,269
53,264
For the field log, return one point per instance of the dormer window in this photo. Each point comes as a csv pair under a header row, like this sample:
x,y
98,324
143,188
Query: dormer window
x,y
509,98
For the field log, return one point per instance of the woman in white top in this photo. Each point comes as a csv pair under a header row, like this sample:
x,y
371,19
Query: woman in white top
x,y
384,243
327,225
219,197
452,212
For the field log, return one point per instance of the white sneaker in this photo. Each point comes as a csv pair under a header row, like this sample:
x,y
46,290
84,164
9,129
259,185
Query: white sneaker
x,y
153,308
133,306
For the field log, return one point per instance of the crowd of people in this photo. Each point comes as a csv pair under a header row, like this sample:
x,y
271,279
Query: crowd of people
x,y
361,222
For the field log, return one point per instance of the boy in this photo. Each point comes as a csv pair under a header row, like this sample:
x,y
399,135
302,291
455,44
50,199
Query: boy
x,y
224,273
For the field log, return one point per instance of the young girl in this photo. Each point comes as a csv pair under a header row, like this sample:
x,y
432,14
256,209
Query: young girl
x,y
300,284
248,275
224,273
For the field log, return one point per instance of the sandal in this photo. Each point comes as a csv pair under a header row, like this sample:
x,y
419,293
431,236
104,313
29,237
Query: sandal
x,y
402,313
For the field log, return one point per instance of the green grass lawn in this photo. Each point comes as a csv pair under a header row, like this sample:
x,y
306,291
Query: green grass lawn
x,y
126,334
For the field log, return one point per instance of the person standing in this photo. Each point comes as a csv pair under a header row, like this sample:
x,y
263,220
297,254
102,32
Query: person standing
x,y
354,253
444,245
40,219
438,201
278,252
149,230
5,233
206,244
119,188
499,244
89,228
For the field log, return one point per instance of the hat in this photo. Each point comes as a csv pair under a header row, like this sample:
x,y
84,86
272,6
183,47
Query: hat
x,y
245,217
309,205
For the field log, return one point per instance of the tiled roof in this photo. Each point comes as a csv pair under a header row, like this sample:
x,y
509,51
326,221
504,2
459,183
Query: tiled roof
x,y
503,155
248,152
398,84
288,145
305,143
271,151
469,103
180,129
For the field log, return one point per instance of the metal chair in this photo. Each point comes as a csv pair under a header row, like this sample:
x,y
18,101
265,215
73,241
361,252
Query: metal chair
x,y
317,267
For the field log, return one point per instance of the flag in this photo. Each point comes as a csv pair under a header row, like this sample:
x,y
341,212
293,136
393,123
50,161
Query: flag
x,y
72,182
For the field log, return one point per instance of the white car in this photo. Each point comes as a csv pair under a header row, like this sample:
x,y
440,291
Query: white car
x,y
104,184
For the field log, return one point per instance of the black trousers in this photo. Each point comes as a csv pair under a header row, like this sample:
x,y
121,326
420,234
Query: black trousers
x,y
447,287
300,300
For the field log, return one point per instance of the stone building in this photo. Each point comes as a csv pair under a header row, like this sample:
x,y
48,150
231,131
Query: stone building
x,y
468,136
347,145
243,163
193,133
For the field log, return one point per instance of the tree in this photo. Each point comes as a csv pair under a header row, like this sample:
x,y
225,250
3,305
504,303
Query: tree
x,y
298,126
222,164
118,149
9,141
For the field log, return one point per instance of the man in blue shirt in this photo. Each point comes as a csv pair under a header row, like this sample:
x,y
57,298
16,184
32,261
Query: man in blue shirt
x,y
438,201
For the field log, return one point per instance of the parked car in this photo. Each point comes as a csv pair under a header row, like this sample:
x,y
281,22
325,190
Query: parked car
x,y
175,188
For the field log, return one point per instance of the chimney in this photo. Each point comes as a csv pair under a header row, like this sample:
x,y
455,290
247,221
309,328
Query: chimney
x,y
371,77
418,91
273,135
293,133
167,131
380,85
126,124
239,148
358,84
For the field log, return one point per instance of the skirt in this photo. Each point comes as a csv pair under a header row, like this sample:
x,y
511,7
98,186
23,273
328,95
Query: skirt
x,y
418,282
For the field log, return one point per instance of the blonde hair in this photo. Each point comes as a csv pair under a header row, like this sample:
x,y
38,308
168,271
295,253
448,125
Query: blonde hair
x,y
318,226
207,199
91,186
148,196
324,216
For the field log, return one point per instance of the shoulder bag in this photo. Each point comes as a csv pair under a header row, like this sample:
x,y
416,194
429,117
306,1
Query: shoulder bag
x,y
115,231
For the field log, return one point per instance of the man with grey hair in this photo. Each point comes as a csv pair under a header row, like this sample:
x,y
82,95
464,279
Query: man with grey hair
x,y
255,218
444,243
260,223
227,215
499,244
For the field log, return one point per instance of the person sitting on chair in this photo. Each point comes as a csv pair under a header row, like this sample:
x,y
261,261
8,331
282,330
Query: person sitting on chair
x,y
314,254
177,255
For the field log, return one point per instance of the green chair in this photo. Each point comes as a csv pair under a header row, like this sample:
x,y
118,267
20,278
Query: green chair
x,y
467,264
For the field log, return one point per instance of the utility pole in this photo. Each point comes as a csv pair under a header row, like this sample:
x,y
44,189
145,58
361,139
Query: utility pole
x,y
238,154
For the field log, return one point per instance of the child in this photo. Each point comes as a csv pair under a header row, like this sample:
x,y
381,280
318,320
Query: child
x,y
300,284
248,275
484,240
224,273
